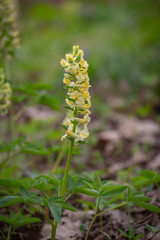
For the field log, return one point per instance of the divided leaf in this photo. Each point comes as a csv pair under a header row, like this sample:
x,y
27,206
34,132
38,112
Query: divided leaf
x,y
10,200
148,206
114,191
56,211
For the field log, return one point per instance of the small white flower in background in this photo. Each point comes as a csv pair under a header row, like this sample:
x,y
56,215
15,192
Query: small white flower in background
x,y
78,99
5,94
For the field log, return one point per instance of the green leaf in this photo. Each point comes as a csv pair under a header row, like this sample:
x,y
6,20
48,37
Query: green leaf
x,y
37,200
87,191
90,204
150,228
82,142
106,185
103,202
49,101
38,149
24,192
141,181
70,183
148,206
69,108
10,200
56,211
148,173
10,182
76,51
53,182
71,99
98,180
27,221
112,200
140,198
9,146
32,194
131,231
82,227
70,138
114,191
129,193
139,236
123,233
157,230
78,58
64,126
26,90
88,184
67,206
28,183
52,200
5,219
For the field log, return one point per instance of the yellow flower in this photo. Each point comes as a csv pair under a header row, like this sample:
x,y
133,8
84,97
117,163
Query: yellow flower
x,y
9,35
66,81
78,99
5,94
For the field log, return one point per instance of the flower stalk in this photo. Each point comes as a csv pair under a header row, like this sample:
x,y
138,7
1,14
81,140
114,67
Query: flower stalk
x,y
76,81
5,94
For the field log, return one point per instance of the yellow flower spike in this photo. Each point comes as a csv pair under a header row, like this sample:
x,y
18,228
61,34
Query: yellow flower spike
x,y
5,94
9,34
78,98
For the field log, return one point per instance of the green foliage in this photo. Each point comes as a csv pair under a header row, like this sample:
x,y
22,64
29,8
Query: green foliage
x,y
131,234
16,220
32,197
36,94
153,230
38,149
56,211
147,177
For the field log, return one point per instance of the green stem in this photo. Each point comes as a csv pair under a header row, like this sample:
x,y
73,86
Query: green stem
x,y
68,197
3,235
67,169
96,210
120,205
53,233
60,156
9,233
100,214
63,189
129,215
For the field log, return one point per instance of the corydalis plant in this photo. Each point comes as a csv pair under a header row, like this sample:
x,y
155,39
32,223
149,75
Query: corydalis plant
x,y
9,33
78,100
5,94
78,103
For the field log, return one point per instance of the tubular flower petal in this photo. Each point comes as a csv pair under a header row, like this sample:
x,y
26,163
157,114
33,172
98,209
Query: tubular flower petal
x,y
78,99
9,34
5,94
